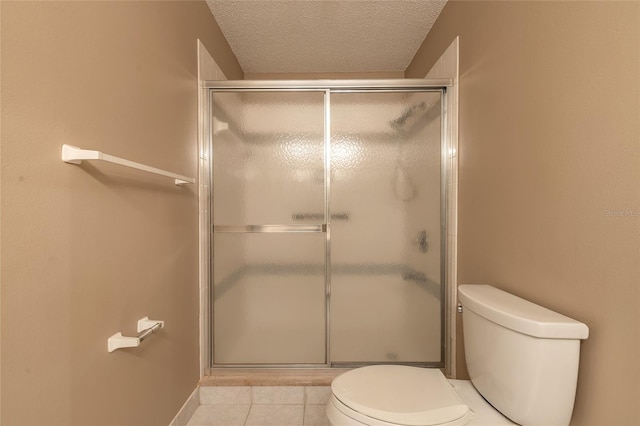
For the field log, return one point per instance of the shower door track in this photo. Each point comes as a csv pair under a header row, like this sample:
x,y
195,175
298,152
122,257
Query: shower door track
x,y
328,87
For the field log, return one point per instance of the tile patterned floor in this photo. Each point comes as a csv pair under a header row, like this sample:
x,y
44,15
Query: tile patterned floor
x,y
261,406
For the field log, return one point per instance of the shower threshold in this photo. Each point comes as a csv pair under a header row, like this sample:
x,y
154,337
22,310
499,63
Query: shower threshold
x,y
271,376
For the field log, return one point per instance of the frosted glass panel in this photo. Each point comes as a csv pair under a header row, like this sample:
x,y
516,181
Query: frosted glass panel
x,y
386,174
268,158
269,298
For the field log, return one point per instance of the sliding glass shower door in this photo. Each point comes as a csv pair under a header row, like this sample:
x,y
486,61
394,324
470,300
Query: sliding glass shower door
x,y
268,221
327,226
385,254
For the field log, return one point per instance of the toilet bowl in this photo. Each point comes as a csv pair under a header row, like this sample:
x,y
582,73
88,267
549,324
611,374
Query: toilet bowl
x,y
522,359
394,395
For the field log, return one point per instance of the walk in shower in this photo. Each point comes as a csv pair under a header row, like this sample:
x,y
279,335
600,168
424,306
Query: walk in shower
x,y
328,222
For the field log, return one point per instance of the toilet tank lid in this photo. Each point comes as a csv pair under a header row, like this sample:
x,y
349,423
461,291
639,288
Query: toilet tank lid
x,y
518,314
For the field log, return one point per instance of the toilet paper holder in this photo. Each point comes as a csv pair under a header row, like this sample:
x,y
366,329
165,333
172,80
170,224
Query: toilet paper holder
x,y
146,327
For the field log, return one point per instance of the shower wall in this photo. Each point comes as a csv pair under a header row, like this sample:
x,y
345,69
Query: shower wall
x,y
269,168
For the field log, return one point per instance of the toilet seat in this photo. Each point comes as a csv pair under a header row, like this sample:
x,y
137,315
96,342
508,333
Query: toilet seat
x,y
398,395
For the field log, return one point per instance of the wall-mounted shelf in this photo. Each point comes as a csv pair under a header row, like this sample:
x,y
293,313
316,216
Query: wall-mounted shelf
x,y
75,155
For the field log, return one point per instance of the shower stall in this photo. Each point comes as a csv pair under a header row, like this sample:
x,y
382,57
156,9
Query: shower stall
x,y
328,222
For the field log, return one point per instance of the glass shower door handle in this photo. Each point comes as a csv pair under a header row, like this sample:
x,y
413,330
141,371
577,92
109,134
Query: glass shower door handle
x,y
263,229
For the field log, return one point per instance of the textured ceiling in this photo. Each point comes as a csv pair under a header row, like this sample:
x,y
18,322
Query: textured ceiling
x,y
300,36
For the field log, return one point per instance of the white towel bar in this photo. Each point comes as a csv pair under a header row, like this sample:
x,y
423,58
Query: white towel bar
x,y
75,155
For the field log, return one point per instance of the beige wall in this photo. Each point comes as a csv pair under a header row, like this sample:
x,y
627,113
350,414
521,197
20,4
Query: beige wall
x,y
549,154
88,250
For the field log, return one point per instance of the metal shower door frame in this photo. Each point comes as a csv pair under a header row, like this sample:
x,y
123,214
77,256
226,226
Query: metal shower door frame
x,y
328,87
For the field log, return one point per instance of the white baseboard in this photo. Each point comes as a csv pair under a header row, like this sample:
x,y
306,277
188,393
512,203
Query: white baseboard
x,y
188,408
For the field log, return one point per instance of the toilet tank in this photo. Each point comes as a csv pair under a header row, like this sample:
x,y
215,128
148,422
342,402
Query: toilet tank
x,y
521,357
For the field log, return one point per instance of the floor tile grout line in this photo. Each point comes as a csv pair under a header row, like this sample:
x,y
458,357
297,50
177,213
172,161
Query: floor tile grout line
x,y
304,409
246,417
304,403
250,406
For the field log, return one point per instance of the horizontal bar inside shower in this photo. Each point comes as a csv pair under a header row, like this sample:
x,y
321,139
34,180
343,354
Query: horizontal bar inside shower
x,y
405,83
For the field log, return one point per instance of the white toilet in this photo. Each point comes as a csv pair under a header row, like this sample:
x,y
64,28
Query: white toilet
x,y
522,359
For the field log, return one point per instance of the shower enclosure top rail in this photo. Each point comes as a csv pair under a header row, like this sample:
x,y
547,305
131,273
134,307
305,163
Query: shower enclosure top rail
x,y
404,83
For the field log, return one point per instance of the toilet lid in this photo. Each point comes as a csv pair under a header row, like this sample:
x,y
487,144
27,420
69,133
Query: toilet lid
x,y
400,394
